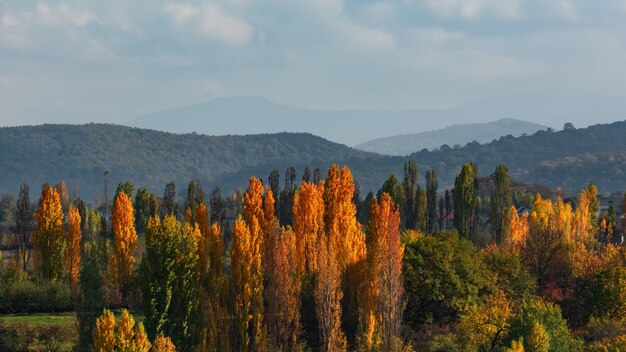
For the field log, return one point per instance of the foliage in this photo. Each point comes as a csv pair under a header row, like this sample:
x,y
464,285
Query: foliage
x,y
48,241
443,274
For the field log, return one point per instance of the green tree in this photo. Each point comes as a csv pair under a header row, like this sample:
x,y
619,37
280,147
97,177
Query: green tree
x,y
391,186
127,187
409,199
465,200
443,274
142,210
90,302
24,224
431,196
501,202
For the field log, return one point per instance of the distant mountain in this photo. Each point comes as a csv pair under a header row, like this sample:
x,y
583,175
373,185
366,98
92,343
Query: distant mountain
x,y
252,115
80,154
460,135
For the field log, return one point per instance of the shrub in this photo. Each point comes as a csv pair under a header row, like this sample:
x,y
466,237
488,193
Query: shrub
x,y
35,297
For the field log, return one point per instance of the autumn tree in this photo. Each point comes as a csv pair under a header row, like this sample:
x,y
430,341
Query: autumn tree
x,y
383,304
501,203
48,241
485,326
465,200
328,295
247,285
283,293
345,233
163,344
308,224
73,249
212,285
128,337
517,230
122,259
274,182
195,196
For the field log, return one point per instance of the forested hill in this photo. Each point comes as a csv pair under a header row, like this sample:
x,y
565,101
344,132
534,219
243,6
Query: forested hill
x,y
79,154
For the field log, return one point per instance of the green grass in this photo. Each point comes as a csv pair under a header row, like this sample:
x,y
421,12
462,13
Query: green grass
x,y
66,320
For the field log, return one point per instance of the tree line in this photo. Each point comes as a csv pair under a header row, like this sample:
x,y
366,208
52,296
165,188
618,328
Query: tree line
x,y
316,267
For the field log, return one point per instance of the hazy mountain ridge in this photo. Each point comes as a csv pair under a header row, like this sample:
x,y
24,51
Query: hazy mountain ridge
x,y
405,144
79,154
253,115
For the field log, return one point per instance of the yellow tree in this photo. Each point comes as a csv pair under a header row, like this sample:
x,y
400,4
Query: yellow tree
x,y
485,326
247,286
283,293
73,240
212,284
345,233
328,295
48,241
163,344
517,230
308,224
128,337
383,304
122,260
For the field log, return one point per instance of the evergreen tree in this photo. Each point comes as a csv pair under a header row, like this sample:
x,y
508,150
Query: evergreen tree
x,y
465,200
90,300
142,210
408,203
501,202
216,205
431,196
24,224
169,200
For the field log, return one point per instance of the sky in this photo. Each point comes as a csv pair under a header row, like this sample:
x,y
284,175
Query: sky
x,y
111,61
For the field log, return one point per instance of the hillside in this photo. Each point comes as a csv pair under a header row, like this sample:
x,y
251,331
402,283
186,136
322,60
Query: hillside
x,y
406,144
80,154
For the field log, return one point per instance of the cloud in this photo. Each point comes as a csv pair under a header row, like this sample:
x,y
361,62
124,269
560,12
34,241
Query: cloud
x,y
379,11
63,15
210,21
473,9
366,38
565,9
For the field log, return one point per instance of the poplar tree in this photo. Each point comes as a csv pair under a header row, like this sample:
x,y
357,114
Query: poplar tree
x,y
48,239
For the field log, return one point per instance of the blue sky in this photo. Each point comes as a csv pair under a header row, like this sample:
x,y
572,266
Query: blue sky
x,y
110,61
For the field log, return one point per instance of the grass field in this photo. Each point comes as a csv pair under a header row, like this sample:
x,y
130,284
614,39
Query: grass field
x,y
63,325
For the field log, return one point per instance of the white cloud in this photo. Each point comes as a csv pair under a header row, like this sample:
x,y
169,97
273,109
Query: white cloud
x,y
472,9
63,15
379,11
180,12
210,21
565,9
367,38
436,35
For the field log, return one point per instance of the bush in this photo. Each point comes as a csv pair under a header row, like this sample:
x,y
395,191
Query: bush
x,y
15,337
35,297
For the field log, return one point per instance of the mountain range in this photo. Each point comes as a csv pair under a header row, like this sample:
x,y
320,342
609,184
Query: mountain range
x,y
254,115
452,136
80,154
